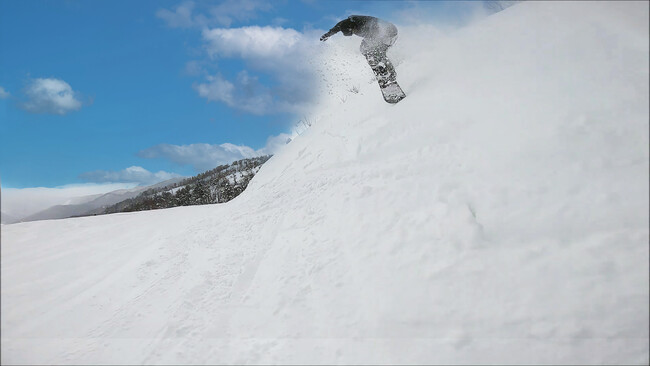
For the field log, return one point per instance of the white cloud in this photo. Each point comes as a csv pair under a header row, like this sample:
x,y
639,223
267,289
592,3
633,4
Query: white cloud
x,y
133,174
274,144
204,157
194,68
224,14
52,96
284,54
201,157
22,202
3,93
216,89
230,11
181,17
245,93
251,42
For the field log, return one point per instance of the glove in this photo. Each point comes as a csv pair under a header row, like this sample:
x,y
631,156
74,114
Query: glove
x,y
325,36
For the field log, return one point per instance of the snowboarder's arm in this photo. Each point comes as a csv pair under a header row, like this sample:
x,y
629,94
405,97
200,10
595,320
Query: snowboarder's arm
x,y
330,33
344,26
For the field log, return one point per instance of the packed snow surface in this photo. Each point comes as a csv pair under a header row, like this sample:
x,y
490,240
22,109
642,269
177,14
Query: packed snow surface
x,y
498,214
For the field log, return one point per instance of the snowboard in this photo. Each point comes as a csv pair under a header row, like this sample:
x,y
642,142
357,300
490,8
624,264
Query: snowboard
x,y
386,77
392,93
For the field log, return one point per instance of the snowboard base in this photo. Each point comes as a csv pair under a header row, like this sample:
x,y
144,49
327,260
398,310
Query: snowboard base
x,y
392,93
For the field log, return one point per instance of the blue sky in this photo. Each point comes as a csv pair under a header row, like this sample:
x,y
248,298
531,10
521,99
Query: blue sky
x,y
141,91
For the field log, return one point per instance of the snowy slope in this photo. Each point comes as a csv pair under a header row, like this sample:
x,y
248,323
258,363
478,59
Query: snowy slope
x,y
498,214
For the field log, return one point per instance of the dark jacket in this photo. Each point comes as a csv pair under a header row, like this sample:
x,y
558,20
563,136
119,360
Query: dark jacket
x,y
363,26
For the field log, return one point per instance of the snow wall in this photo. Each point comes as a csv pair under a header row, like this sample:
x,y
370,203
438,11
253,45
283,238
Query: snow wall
x,y
498,214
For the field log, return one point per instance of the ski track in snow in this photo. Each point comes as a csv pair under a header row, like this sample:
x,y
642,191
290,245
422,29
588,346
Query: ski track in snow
x,y
498,214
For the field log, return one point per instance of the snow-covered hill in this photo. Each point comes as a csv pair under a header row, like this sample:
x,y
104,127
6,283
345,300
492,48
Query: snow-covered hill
x,y
498,214
217,185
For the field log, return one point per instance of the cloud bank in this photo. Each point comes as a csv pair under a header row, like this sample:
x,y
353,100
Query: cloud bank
x,y
204,157
133,174
22,202
283,54
50,96
201,157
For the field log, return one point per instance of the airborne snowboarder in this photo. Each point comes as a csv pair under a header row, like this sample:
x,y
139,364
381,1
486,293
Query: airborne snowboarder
x,y
378,35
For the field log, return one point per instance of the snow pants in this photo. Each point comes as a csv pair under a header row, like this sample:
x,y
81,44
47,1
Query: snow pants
x,y
374,49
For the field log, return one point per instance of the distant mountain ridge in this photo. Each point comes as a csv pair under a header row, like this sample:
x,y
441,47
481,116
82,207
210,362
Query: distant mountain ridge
x,y
6,219
218,185
88,205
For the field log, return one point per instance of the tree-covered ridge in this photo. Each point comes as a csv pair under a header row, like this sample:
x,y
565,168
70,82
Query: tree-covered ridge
x,y
218,185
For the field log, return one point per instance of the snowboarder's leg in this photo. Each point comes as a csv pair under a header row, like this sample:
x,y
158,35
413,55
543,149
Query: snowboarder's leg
x,y
382,67
375,52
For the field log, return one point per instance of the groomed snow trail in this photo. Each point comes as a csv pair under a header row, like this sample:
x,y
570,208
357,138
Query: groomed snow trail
x,y
498,214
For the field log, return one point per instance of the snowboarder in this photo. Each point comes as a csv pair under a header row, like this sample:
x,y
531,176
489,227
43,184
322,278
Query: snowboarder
x,y
378,35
